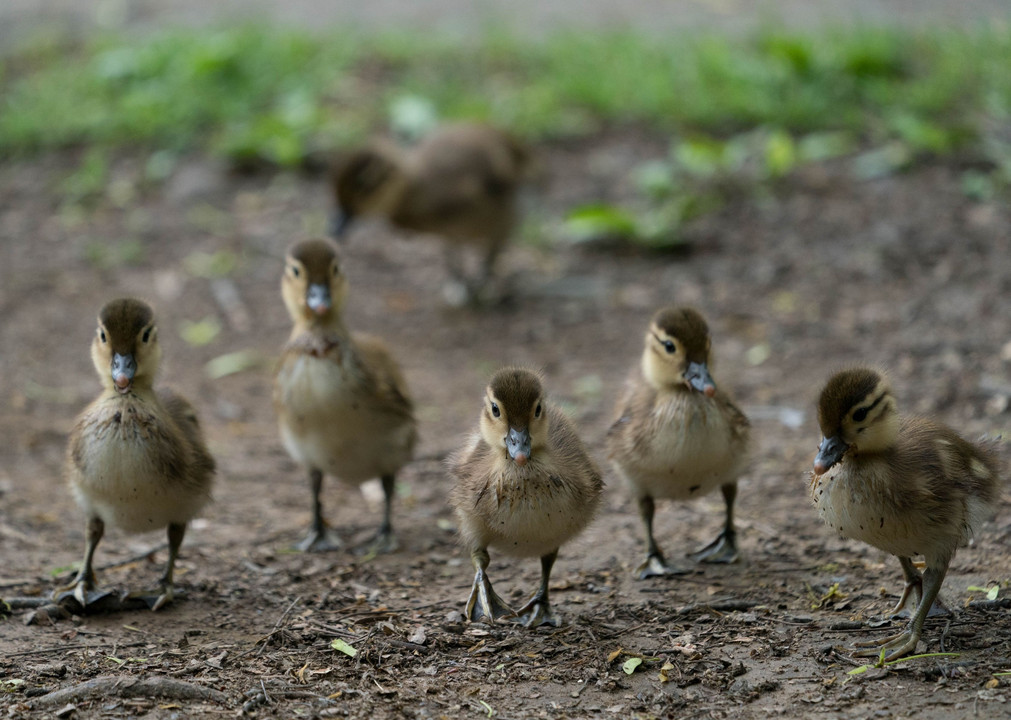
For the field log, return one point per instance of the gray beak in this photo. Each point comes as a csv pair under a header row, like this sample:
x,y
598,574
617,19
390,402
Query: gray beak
x,y
124,367
317,297
699,378
518,445
830,452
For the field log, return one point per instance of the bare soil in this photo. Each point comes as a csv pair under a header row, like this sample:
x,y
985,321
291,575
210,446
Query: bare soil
x,y
825,271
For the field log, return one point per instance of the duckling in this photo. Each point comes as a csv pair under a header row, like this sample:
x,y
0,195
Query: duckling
x,y
136,458
459,182
524,485
677,436
342,404
905,485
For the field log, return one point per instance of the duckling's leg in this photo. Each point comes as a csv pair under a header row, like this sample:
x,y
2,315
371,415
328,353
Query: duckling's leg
x,y
157,599
320,537
914,588
82,587
724,548
483,603
485,289
537,611
654,564
905,642
457,291
384,541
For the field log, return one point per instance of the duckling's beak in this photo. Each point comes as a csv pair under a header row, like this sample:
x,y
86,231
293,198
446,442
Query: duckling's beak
x,y
518,445
124,367
340,221
699,378
830,452
318,299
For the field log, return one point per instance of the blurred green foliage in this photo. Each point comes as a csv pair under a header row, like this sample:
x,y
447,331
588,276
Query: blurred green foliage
x,y
740,109
260,94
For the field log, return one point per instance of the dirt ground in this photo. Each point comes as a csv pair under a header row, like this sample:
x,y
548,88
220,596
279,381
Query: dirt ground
x,y
827,271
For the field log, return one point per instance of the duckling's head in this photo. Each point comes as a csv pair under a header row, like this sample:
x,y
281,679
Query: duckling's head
x,y
514,416
677,351
857,414
313,286
366,182
125,350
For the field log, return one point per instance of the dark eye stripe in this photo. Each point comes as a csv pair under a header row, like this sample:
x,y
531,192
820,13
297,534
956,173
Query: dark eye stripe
x,y
861,414
668,345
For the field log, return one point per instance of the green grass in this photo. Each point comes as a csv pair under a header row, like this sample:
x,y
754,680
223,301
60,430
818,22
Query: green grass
x,y
255,94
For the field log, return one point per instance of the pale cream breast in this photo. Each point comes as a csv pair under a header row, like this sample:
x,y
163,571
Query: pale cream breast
x,y
864,503
527,512
328,421
686,449
126,469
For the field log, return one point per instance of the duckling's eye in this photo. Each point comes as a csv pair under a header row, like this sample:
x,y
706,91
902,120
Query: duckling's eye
x,y
669,346
495,411
537,411
860,415
336,270
146,336
101,334
294,271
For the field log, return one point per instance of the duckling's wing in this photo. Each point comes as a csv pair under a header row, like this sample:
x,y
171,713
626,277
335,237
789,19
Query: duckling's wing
x,y
740,426
387,384
940,470
634,407
201,465
463,170
569,453
473,468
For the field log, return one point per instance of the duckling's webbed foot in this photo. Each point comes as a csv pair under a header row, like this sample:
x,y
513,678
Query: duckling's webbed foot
x,y
724,548
159,598
721,550
83,591
537,611
156,598
655,565
895,646
82,587
484,604
384,541
905,642
319,539
914,589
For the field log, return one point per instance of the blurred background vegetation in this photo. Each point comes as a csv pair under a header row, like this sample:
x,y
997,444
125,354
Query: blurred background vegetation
x,y
740,112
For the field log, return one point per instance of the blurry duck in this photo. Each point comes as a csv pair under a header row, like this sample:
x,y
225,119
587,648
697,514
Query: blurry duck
x,y
677,436
460,182
905,485
136,458
341,401
525,486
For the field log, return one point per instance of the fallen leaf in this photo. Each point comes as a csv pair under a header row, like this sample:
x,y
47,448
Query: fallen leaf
x,y
201,332
665,670
631,664
232,363
613,656
338,644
